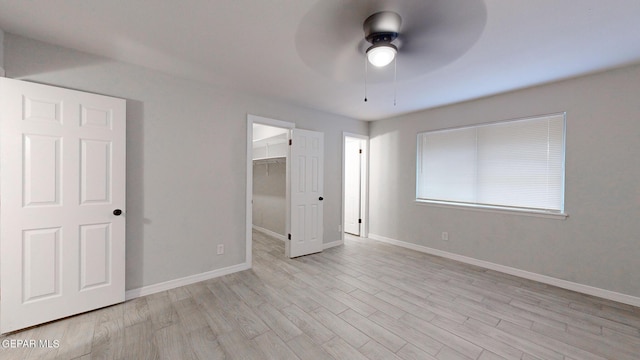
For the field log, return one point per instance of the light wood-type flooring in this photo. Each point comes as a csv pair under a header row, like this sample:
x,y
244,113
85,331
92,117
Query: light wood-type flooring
x,y
363,300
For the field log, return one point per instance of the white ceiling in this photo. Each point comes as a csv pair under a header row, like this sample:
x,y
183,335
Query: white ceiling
x,y
266,47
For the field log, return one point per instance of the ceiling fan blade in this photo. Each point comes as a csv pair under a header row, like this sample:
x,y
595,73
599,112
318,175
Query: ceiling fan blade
x,y
433,33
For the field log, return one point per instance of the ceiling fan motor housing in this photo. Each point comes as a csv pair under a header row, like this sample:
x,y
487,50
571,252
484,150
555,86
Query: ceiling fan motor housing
x,y
385,37
382,26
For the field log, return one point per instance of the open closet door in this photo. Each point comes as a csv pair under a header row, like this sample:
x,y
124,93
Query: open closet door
x,y
62,188
307,160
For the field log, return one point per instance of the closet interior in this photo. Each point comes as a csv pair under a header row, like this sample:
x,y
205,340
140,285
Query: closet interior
x,y
270,146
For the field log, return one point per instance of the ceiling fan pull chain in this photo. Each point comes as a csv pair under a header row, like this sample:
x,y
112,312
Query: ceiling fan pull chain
x,y
395,80
366,67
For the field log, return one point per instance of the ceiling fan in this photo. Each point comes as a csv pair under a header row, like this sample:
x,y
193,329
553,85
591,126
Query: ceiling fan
x,y
424,34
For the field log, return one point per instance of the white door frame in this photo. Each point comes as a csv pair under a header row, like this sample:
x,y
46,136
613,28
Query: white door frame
x,y
364,180
251,119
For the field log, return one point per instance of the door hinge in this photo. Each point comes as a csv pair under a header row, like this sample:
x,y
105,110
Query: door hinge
x,y
290,141
360,152
359,221
289,236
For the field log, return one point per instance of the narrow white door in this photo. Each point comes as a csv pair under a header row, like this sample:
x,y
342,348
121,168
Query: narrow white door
x,y
352,167
62,191
307,160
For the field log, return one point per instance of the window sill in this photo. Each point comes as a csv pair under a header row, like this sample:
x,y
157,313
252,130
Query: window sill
x,y
493,209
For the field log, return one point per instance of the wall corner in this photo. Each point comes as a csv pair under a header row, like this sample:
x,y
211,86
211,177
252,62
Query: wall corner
x,y
1,53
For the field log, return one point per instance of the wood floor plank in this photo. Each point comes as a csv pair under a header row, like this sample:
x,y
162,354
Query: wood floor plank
x,y
543,315
190,314
436,308
488,355
496,311
273,347
411,352
161,311
136,311
140,342
406,306
11,348
236,346
48,333
328,302
376,332
307,324
553,343
278,322
351,302
305,348
591,343
177,294
173,344
380,285
340,327
486,342
247,321
84,357
225,298
447,338
448,353
340,349
415,337
515,340
374,351
466,311
205,344
247,295
212,313
358,284
299,297
78,336
108,336
377,303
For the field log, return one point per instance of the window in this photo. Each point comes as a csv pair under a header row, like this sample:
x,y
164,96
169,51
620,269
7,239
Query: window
x,y
517,164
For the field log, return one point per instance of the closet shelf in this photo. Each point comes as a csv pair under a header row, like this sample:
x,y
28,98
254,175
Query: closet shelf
x,y
270,160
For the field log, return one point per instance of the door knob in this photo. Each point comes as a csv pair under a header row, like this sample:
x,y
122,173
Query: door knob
x,y
320,198
117,212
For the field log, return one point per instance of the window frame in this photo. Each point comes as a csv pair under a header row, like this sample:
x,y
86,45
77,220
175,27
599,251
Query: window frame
x,y
502,209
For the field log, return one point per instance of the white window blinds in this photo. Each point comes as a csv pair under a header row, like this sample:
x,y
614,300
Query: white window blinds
x,y
514,164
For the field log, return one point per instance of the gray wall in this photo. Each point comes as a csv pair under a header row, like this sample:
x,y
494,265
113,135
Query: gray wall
x,y
269,196
186,157
597,245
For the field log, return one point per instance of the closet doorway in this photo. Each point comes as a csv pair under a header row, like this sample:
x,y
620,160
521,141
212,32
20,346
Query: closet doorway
x,y
354,184
269,152
270,180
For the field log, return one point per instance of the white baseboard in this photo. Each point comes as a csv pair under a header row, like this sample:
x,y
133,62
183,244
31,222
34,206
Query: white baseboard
x,y
270,233
172,284
284,238
569,285
332,244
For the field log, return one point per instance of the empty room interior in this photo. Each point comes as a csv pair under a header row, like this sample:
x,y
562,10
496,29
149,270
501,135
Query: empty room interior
x,y
320,179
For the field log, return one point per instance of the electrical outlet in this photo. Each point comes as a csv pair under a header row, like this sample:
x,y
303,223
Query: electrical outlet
x,y
445,236
220,249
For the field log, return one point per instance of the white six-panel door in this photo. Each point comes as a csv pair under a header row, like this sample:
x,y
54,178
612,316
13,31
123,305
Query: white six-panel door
x,y
307,166
62,175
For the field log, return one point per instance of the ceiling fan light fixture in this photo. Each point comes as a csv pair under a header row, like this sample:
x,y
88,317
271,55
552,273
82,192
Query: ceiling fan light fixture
x,y
381,54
